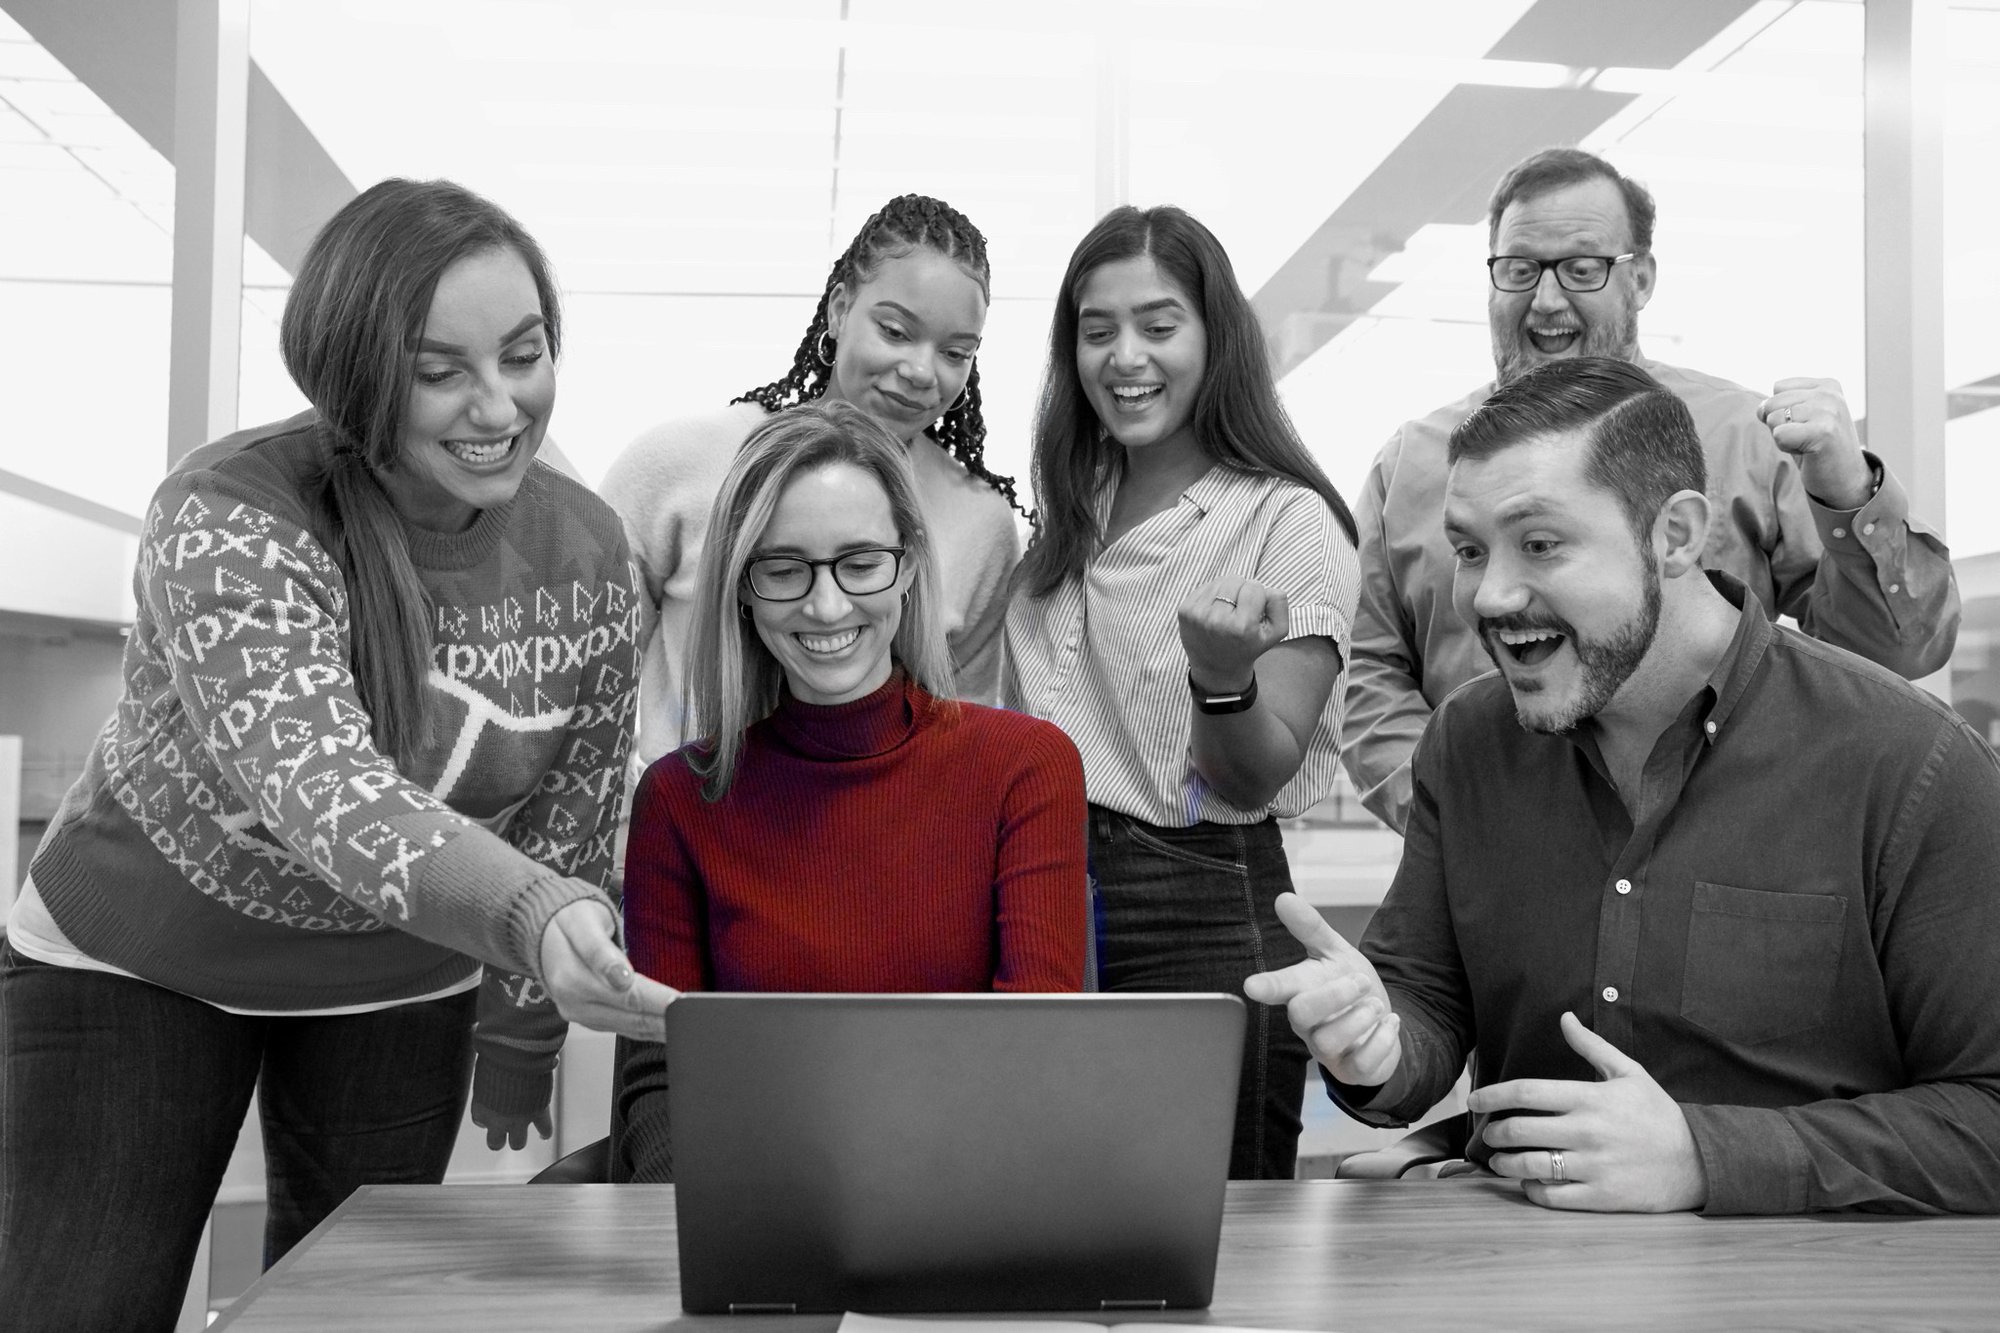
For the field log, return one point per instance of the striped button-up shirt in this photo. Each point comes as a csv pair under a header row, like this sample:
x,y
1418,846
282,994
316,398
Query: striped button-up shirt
x,y
1101,656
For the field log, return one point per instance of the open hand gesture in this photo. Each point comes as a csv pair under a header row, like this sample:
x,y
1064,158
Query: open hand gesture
x,y
1617,1145
1333,999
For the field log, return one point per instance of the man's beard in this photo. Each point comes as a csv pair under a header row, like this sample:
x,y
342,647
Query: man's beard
x,y
1602,665
1514,355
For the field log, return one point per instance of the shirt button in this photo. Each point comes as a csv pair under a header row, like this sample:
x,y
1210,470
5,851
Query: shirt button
x,y
1623,886
1867,528
1840,532
1895,587
1611,995
1708,727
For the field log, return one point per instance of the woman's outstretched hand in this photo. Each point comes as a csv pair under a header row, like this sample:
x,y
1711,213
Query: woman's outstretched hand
x,y
588,977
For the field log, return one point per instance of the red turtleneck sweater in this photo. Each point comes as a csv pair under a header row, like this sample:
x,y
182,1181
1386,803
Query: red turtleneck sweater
x,y
879,845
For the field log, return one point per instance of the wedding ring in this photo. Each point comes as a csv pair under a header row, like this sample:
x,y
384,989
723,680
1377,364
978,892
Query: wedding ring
x,y
1785,418
1220,598
1556,1176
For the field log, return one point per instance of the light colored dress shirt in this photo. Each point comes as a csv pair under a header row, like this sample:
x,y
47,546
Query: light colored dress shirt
x,y
1101,656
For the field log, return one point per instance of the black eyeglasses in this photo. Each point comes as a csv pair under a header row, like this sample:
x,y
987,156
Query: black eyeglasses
x,y
1576,273
788,578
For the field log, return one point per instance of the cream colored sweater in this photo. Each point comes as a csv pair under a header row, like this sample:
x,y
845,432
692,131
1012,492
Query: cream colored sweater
x,y
663,486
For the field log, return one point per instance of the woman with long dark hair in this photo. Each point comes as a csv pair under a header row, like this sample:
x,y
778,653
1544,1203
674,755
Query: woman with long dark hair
x,y
844,823
1183,615
896,333
377,700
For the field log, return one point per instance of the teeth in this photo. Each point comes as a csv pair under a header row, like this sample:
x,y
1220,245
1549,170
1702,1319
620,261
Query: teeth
x,y
480,453
1517,637
828,643
1132,392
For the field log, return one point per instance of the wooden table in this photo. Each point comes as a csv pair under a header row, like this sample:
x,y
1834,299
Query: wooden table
x,y
1354,1255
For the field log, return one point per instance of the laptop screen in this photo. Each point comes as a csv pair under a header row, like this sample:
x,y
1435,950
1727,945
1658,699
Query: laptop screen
x,y
950,1152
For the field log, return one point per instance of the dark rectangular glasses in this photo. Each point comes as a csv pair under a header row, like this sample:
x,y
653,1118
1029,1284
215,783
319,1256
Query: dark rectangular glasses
x,y
1576,273
788,578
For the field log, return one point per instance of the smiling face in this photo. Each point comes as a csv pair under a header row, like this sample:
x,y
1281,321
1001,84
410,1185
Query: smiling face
x,y
1141,352
480,395
904,339
1548,323
1550,576
834,645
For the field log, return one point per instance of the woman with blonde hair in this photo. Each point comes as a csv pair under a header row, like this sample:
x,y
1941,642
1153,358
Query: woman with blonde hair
x,y
896,333
843,824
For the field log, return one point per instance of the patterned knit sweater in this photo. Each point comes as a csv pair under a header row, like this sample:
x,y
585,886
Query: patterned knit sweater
x,y
878,845
236,836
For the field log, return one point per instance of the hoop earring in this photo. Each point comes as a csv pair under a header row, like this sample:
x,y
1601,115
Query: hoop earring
x,y
820,351
743,609
963,395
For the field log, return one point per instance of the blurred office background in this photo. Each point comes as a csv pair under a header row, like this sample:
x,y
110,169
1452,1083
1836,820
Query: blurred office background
x,y
1824,170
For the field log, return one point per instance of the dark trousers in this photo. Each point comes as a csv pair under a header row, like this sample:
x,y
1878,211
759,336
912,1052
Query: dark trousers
x,y
119,1106
1189,909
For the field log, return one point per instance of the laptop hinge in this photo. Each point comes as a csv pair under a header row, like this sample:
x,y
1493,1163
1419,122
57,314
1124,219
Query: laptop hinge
x,y
763,1307
1131,1305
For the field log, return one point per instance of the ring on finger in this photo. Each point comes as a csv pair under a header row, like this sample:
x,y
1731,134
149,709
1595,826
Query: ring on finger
x,y
1557,1175
1220,598
1785,417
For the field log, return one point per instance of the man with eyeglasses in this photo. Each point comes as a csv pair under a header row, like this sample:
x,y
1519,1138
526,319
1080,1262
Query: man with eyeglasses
x,y
1805,518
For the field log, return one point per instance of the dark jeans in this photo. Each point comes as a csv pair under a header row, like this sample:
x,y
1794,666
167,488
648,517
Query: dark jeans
x,y
119,1106
1189,909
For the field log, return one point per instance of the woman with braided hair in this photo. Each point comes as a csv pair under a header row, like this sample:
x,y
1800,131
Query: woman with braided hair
x,y
895,334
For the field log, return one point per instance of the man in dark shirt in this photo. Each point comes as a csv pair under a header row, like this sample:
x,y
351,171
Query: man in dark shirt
x,y
1714,907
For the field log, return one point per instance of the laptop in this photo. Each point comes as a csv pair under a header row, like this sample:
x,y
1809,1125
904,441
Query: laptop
x,y
950,1152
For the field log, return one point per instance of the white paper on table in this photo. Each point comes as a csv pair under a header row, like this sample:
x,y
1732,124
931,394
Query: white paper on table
x,y
868,1323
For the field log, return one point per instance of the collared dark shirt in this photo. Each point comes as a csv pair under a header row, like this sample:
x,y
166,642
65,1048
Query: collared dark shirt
x,y
1798,936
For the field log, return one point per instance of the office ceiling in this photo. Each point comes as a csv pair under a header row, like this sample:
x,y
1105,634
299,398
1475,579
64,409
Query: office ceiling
x,y
694,166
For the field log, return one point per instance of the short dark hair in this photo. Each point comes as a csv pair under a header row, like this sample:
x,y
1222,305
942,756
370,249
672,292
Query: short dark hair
x,y
1558,168
1641,437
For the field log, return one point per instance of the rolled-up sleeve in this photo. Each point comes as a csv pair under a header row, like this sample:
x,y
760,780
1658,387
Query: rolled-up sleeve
x,y
1882,585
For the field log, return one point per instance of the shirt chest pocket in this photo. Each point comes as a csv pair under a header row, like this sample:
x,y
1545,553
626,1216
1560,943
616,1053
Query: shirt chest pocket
x,y
1760,965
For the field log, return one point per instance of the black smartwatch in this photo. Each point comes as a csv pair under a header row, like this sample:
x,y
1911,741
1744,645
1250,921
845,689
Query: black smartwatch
x,y
1236,702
